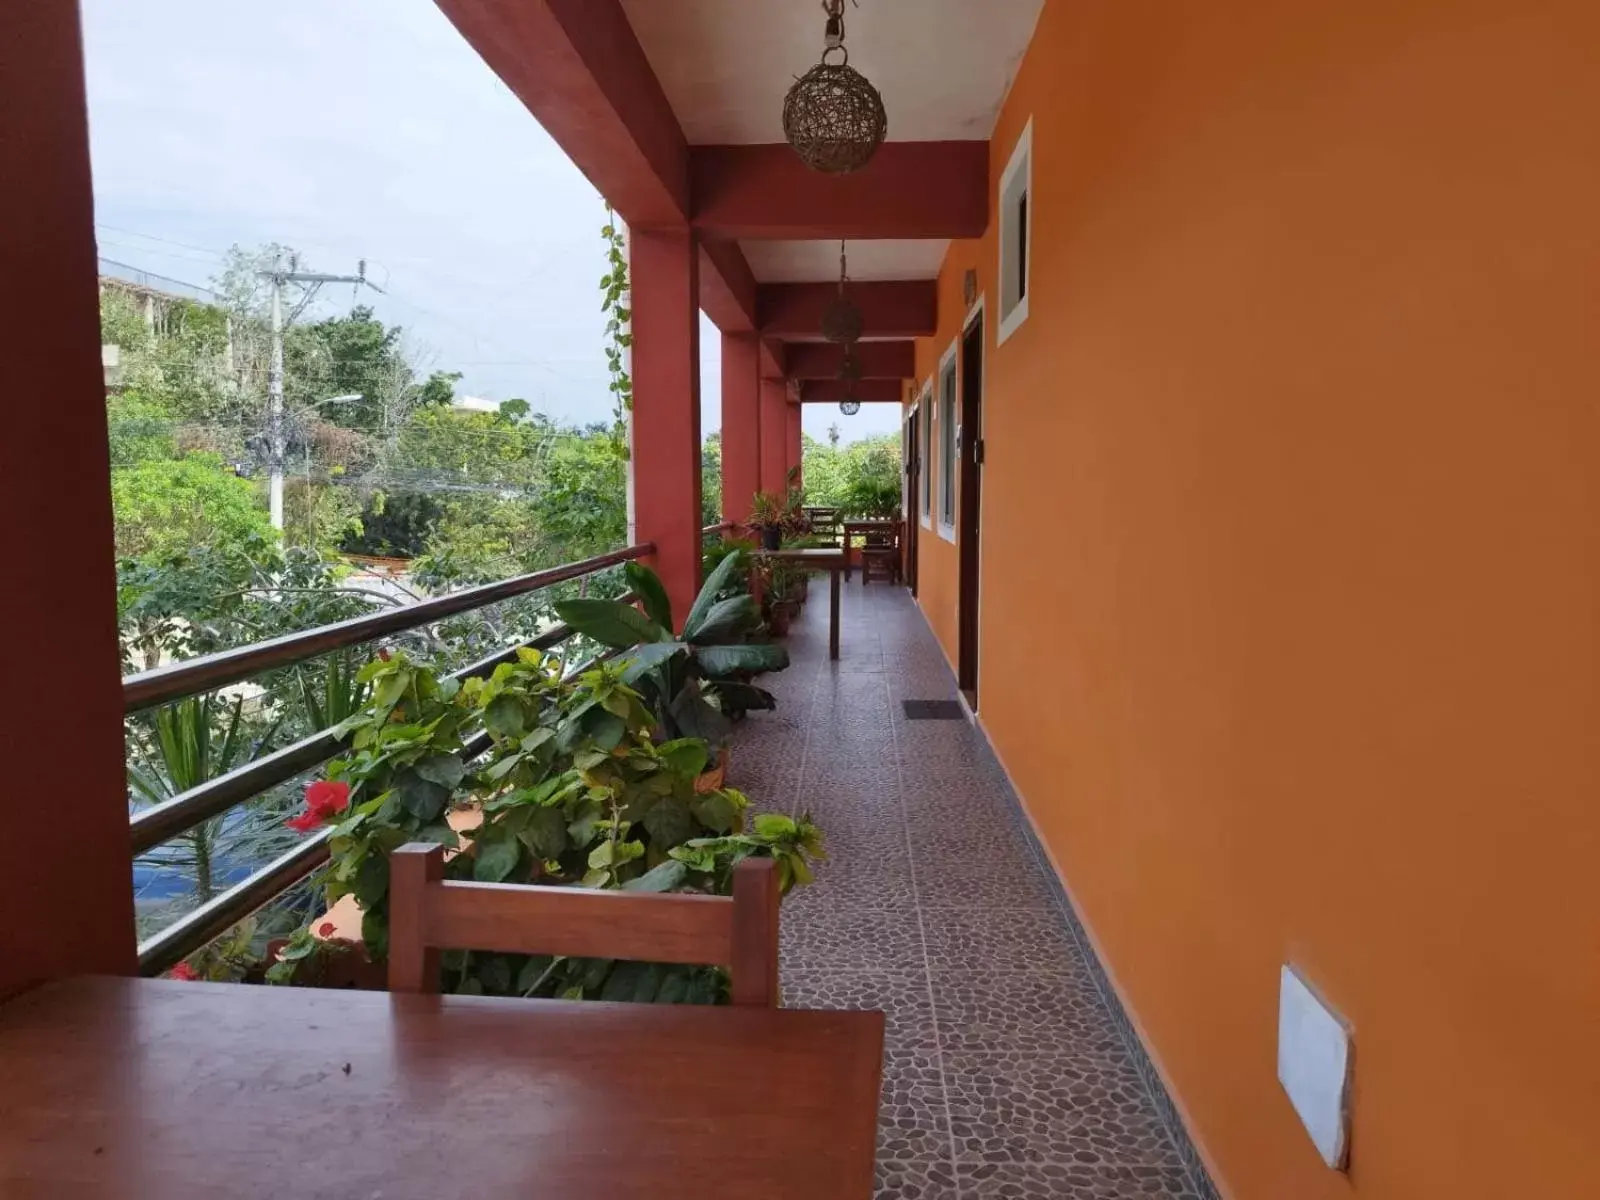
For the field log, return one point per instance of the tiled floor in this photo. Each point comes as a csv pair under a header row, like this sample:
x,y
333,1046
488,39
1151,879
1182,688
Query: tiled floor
x,y
1005,1073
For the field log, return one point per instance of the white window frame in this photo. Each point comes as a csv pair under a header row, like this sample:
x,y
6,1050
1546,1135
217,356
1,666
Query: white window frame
x,y
1020,163
925,405
949,427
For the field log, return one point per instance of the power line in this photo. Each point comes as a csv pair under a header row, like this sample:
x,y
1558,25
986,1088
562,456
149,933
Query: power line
x,y
164,240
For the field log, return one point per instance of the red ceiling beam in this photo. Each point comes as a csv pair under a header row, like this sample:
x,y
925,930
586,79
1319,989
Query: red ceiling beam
x,y
580,71
868,391
772,359
727,287
877,360
578,67
900,308
908,190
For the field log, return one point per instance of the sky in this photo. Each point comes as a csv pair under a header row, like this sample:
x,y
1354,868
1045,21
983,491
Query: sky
x,y
365,129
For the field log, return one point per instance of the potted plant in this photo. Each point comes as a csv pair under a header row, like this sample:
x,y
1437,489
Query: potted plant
x,y
767,514
576,790
795,522
694,682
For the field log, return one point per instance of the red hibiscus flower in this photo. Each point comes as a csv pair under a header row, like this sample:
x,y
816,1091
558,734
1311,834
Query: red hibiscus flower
x,y
323,799
183,971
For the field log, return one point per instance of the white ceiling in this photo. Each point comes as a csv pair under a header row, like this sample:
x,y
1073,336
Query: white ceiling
x,y
818,262
943,66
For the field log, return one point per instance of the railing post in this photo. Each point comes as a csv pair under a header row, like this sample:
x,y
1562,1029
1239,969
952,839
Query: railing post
x,y
754,962
664,274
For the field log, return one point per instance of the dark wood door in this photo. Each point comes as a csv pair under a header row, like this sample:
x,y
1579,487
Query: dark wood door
x,y
968,520
912,457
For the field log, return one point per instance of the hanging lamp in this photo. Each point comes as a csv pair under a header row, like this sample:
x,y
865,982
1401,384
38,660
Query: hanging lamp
x,y
842,320
832,116
849,374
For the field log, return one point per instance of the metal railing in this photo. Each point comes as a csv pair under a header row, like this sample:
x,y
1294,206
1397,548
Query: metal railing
x,y
152,826
207,673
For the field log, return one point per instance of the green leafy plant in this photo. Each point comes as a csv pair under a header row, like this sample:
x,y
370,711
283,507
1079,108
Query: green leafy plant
x,y
337,696
574,791
397,526
614,303
696,681
182,746
165,507
873,494
713,557
231,958
766,510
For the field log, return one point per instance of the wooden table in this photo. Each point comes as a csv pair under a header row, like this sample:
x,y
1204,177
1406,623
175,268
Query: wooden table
x,y
821,559
146,1088
861,528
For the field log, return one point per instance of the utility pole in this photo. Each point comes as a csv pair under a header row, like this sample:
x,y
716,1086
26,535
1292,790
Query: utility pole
x,y
277,440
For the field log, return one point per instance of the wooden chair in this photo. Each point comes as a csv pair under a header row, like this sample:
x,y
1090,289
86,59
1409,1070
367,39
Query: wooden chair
x,y
881,556
428,913
825,524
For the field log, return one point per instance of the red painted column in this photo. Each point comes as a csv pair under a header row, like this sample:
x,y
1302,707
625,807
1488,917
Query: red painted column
x,y
61,708
774,436
664,274
794,443
741,424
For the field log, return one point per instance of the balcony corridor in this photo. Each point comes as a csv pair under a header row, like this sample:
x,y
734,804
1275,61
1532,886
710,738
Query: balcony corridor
x,y
1006,1072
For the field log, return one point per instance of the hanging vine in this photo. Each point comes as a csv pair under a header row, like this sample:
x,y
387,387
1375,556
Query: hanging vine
x,y
614,303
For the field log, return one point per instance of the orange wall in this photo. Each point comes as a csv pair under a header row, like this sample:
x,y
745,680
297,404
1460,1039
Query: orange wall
x,y
937,562
1291,572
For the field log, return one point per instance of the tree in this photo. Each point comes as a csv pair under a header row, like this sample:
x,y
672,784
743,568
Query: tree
x,y
140,428
394,525
711,480
358,356
580,496
164,507
453,449
862,478
822,467
177,364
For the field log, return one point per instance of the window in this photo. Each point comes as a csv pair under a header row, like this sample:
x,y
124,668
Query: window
x,y
925,455
947,444
1016,214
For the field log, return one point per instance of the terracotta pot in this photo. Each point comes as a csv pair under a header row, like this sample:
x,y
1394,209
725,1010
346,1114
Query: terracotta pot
x,y
778,618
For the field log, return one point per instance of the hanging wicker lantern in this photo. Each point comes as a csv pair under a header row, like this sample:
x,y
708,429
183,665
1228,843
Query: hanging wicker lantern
x,y
850,407
832,116
842,320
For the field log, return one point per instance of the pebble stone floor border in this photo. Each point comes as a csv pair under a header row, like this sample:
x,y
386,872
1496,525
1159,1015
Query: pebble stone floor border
x,y
1006,1071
